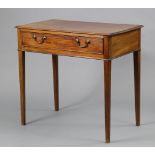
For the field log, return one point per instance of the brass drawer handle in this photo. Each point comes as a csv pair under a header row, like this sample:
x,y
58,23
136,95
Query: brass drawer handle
x,y
87,42
39,40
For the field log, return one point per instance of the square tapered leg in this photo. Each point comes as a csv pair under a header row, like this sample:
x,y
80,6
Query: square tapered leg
x,y
107,92
21,55
137,57
55,82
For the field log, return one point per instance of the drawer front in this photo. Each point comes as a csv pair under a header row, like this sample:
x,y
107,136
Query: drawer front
x,y
43,41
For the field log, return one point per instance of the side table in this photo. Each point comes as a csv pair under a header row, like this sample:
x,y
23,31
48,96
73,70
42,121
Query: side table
x,y
101,41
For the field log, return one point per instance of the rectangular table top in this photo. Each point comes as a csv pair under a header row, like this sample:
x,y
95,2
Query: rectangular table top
x,y
80,27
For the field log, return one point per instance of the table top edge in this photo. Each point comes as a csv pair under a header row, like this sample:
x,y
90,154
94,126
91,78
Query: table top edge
x,y
29,27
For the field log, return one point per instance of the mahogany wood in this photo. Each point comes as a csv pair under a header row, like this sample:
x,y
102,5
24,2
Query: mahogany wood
x,y
80,27
55,81
62,42
107,94
104,41
136,56
21,55
124,43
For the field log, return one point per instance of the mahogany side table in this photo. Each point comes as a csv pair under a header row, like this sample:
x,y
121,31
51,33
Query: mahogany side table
x,y
101,41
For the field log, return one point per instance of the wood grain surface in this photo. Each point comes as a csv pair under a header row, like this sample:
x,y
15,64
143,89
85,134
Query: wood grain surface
x,y
80,27
103,41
